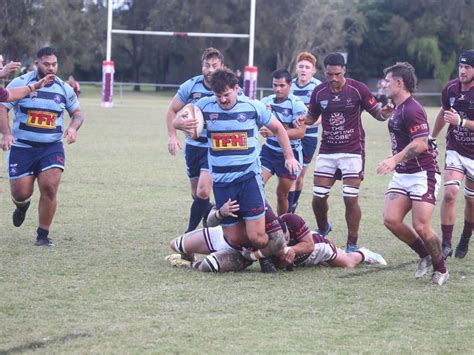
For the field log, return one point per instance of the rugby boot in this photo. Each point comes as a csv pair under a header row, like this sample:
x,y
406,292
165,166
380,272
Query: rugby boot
x,y
423,266
177,260
438,278
447,250
372,258
325,233
462,247
19,214
44,242
267,266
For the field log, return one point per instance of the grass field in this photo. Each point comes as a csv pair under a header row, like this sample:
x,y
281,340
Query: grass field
x,y
105,287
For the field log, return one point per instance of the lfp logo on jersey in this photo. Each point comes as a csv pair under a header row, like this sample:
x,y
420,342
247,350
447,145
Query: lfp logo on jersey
x,y
229,141
41,119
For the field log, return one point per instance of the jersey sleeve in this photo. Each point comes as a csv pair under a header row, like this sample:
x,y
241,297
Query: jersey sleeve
x,y
314,108
72,103
296,225
264,116
369,102
299,108
184,90
417,123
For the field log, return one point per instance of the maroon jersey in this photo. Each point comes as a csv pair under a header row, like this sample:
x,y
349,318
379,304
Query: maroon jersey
x,y
409,121
3,95
296,225
341,116
459,139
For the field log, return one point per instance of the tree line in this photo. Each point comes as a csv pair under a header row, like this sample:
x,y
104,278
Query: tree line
x,y
430,34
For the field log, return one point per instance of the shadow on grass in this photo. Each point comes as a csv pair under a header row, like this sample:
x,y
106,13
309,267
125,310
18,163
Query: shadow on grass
x,y
372,271
42,344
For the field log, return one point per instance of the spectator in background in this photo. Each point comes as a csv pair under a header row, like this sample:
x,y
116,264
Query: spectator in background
x,y
239,76
381,96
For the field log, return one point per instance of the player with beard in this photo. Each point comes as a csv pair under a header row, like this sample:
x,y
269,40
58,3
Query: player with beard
x,y
13,94
195,151
35,143
415,183
302,86
457,110
340,101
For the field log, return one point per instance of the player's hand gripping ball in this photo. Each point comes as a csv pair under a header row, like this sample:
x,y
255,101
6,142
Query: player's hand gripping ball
x,y
194,120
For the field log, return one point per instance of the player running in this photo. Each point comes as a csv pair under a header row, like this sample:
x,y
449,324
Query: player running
x,y
286,107
416,180
195,151
457,109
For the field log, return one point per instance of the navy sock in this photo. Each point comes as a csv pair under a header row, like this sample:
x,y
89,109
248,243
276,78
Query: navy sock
x,y
291,197
297,196
42,233
198,209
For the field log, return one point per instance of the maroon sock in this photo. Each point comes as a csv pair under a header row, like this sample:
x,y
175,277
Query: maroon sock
x,y
419,247
439,265
447,231
467,231
352,239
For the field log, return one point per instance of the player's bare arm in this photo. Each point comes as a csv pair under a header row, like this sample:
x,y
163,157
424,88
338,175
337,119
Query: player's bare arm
x,y
9,68
305,245
412,150
77,118
5,132
18,93
439,123
228,209
280,132
308,119
173,142
382,113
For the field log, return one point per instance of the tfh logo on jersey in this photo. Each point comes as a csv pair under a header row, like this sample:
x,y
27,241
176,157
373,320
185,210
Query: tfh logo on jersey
x,y
337,119
229,141
41,119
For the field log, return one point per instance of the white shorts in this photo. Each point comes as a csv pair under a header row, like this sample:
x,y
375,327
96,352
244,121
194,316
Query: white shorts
x,y
350,165
421,186
215,240
457,162
323,252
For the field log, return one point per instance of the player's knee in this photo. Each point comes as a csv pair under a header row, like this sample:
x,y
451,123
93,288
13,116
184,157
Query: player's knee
x,y
259,240
423,230
390,222
321,191
468,192
350,191
451,189
203,192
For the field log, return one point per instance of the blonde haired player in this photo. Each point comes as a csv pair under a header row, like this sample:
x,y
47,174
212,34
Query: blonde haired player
x,y
302,87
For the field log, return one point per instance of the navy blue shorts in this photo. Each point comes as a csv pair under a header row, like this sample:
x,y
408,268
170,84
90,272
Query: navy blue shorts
x,y
247,192
32,161
196,160
309,143
274,162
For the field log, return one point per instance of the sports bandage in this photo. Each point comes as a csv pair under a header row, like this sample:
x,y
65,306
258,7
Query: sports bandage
x,y
210,264
321,191
468,193
455,183
350,191
21,203
179,244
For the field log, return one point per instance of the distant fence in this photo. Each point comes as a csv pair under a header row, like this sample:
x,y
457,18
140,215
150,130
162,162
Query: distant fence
x,y
426,98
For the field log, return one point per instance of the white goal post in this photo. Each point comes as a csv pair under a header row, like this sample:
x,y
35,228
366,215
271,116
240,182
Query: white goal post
x,y
108,66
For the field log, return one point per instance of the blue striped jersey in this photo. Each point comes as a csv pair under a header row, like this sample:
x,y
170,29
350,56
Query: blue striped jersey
x,y
286,112
304,93
189,92
38,117
233,137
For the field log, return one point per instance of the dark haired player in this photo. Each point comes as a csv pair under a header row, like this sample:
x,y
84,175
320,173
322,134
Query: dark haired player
x,y
35,142
457,110
286,107
340,101
195,151
416,179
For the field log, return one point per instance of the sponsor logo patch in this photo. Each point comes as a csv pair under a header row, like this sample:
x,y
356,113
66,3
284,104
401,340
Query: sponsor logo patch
x,y
41,119
418,127
324,104
337,119
229,141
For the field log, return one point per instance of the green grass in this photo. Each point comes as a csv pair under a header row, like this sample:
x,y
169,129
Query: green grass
x,y
105,288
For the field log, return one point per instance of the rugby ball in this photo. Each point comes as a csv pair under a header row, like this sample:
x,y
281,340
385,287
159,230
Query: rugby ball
x,y
190,111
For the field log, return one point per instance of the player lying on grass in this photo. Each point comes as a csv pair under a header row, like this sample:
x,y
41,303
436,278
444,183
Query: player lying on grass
x,y
305,247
